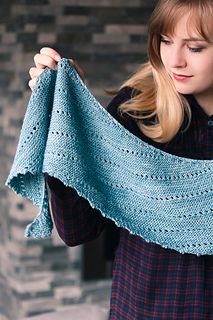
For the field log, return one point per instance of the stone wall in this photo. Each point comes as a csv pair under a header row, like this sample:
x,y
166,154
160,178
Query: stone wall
x,y
108,39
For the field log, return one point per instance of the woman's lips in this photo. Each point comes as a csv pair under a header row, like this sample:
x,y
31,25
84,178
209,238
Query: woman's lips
x,y
180,77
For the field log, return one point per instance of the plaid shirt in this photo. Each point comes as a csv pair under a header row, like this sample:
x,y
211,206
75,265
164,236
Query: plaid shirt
x,y
149,282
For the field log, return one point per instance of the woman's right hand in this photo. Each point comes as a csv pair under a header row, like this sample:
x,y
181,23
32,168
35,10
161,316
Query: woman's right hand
x,y
48,57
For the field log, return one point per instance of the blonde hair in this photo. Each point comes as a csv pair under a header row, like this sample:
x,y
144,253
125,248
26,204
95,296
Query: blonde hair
x,y
154,94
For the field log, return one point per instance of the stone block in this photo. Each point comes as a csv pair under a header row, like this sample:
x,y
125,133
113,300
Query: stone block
x,y
67,279
26,37
78,312
133,48
99,3
46,38
30,27
70,20
110,39
20,208
75,254
33,286
76,10
16,249
20,9
148,3
2,28
74,292
125,29
8,38
17,233
38,306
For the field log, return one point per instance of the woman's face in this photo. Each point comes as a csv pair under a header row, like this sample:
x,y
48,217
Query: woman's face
x,y
189,60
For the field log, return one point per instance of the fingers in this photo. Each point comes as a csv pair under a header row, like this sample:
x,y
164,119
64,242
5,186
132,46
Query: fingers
x,y
35,72
42,61
32,83
47,57
50,52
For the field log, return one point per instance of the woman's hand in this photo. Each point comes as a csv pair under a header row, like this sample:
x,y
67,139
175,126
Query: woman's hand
x,y
48,57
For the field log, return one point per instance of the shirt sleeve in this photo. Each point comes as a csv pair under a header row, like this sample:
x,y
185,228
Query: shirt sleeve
x,y
75,220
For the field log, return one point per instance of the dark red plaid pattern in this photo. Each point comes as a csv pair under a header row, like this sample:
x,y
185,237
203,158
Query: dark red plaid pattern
x,y
149,282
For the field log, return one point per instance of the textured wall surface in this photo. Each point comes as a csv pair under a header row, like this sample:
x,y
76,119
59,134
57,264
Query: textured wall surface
x,y
108,39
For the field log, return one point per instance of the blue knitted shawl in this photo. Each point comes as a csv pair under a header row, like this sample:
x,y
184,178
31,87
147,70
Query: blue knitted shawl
x,y
163,198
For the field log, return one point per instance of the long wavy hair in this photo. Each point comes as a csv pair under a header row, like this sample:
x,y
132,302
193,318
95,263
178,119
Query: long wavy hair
x,y
154,95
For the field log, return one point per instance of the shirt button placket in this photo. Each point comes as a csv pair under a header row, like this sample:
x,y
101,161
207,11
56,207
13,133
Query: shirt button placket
x,y
210,123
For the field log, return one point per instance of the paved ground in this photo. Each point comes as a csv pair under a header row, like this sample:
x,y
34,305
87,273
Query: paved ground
x,y
77,312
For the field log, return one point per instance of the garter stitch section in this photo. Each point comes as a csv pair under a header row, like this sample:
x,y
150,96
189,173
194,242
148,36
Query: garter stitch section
x,y
163,198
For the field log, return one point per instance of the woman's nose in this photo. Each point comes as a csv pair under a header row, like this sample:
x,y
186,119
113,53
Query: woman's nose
x,y
178,58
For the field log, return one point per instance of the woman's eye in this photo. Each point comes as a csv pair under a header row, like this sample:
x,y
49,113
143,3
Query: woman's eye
x,y
165,41
195,49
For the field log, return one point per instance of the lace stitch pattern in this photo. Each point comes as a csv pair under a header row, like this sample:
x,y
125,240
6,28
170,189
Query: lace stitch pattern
x,y
165,199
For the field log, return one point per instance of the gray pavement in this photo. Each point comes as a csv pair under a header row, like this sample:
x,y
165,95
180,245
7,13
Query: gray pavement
x,y
76,312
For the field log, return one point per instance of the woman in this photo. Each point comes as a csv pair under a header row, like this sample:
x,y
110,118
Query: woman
x,y
169,104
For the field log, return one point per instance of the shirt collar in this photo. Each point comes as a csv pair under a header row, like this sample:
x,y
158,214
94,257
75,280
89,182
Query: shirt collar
x,y
197,108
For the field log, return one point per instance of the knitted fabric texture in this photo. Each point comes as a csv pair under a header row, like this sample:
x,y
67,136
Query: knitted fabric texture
x,y
163,198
